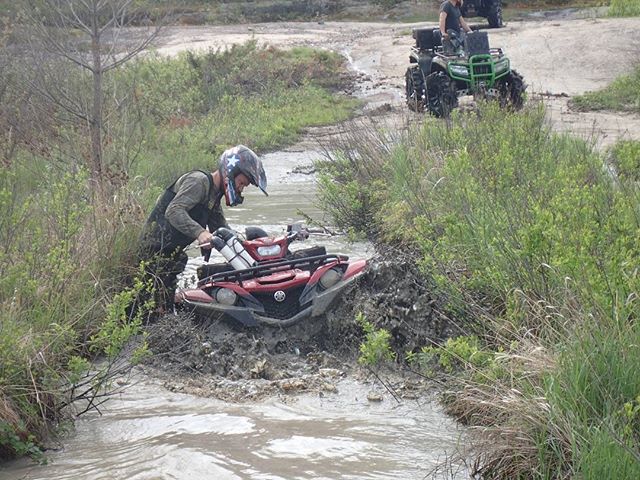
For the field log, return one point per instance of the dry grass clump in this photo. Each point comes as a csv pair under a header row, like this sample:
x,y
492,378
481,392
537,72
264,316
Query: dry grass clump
x,y
509,418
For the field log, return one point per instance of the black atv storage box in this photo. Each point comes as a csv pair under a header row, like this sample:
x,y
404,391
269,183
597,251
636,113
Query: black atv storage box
x,y
427,38
209,269
309,252
476,43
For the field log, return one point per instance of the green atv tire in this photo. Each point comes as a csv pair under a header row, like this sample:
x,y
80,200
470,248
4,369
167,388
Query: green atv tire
x,y
511,88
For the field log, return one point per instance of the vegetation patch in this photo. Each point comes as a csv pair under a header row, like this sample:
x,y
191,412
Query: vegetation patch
x,y
624,8
261,96
532,241
623,94
375,349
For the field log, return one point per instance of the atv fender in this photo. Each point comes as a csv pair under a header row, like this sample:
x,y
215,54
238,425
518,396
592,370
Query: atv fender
x,y
354,268
324,299
424,62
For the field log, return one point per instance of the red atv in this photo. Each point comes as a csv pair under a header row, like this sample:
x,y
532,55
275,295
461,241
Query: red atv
x,y
263,282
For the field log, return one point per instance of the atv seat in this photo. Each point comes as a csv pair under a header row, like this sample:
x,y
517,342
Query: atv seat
x,y
308,252
254,232
427,38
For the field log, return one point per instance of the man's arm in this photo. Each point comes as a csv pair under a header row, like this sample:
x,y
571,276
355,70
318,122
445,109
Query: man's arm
x,y
465,26
443,22
192,190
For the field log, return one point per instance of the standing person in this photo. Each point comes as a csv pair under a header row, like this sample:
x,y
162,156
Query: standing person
x,y
186,208
451,24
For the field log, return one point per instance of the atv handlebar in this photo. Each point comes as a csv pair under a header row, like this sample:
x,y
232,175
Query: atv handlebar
x,y
295,232
299,232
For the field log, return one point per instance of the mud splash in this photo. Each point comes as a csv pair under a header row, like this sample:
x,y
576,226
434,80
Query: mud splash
x,y
216,358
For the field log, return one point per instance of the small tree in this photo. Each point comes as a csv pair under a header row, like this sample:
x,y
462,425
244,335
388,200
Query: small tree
x,y
94,36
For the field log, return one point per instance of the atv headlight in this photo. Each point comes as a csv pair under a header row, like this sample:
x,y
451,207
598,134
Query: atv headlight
x,y
330,278
269,250
226,296
502,65
459,70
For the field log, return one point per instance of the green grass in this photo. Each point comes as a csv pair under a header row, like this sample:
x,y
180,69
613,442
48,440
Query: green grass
x,y
593,383
623,94
624,8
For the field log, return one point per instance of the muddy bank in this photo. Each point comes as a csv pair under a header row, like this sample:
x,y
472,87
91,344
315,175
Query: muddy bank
x,y
216,358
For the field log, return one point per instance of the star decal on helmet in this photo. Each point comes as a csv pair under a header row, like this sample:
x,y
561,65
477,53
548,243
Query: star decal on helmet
x,y
232,161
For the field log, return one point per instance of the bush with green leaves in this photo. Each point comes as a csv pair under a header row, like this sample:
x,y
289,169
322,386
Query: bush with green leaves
x,y
625,157
20,444
375,348
457,353
55,280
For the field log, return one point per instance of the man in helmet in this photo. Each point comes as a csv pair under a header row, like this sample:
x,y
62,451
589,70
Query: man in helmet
x,y
187,207
451,23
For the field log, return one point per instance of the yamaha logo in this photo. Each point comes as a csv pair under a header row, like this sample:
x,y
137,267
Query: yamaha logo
x,y
279,296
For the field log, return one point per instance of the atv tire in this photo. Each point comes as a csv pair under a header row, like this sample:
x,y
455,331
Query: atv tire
x,y
441,95
494,15
414,85
511,88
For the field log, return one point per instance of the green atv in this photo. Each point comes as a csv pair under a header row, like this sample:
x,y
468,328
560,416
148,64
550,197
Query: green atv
x,y
489,9
438,76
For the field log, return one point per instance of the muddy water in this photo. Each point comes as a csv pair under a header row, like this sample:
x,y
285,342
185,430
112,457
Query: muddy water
x,y
150,433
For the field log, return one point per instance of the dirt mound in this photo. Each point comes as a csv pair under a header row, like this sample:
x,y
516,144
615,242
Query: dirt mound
x,y
395,296
219,359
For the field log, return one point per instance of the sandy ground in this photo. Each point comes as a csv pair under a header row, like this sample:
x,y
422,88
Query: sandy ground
x,y
559,58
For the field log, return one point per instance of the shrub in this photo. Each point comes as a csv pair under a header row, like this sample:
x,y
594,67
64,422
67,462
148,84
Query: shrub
x,y
626,159
375,348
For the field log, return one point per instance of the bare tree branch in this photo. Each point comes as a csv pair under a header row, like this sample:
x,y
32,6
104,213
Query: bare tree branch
x,y
85,34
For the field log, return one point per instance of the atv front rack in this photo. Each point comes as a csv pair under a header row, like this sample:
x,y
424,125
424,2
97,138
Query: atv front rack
x,y
479,70
270,267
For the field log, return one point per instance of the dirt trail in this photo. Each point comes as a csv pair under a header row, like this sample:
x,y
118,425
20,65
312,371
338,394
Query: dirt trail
x,y
558,59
